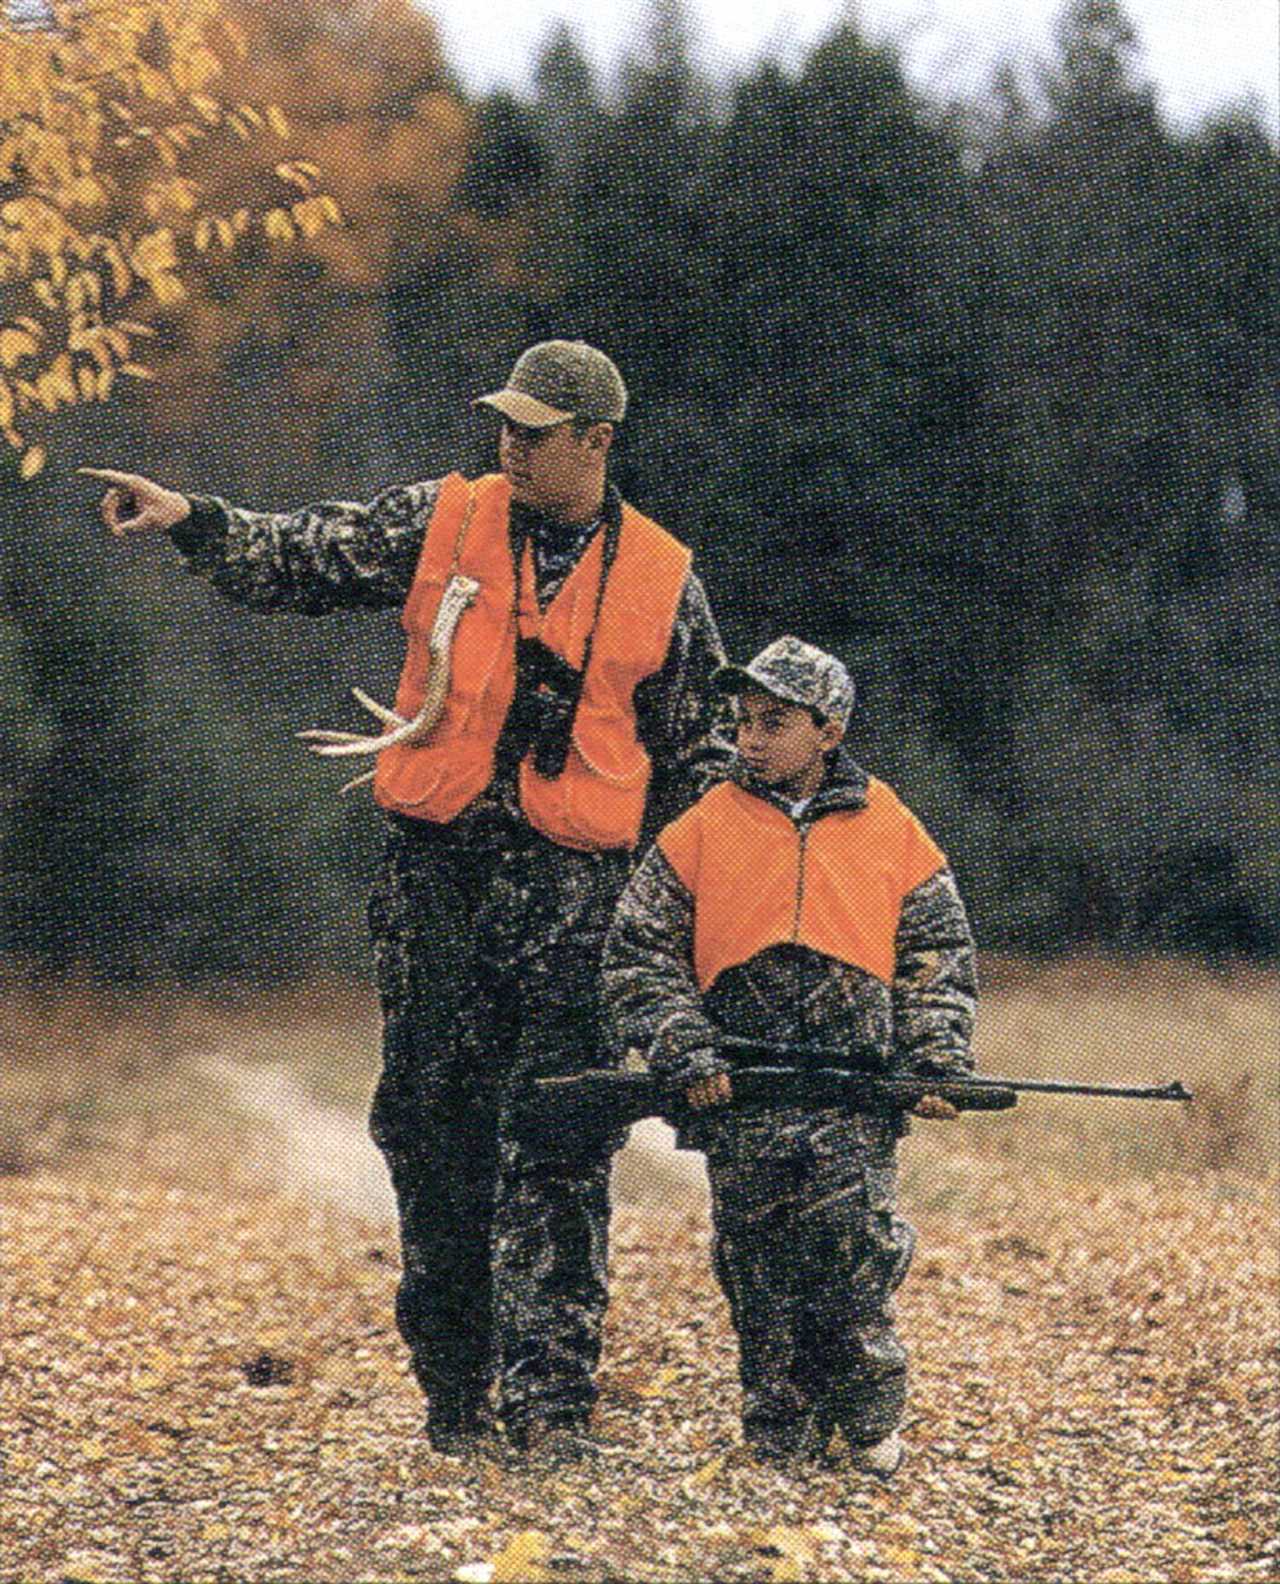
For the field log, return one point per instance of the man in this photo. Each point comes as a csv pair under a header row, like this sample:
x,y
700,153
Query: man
x,y
799,900
577,711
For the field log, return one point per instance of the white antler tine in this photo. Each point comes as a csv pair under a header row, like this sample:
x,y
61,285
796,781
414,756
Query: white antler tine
x,y
350,786
318,734
386,716
352,748
459,593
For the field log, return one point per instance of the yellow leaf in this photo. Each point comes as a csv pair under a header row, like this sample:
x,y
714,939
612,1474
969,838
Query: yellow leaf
x,y
83,287
91,1451
521,1561
153,83
203,233
106,379
6,404
659,1383
61,377
138,370
277,225
330,208
786,1570
167,288
703,1477
902,1557
14,345
121,275
31,464
309,219
226,234
203,66
43,289
83,1567
156,251
239,38
278,121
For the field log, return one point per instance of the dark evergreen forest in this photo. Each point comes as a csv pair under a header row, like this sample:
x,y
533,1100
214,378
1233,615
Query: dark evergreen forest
x,y
982,397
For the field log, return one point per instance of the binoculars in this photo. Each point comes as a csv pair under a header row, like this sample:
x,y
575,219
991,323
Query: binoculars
x,y
542,713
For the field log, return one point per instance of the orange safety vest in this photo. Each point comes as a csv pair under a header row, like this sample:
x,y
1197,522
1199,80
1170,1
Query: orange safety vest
x,y
598,802
758,880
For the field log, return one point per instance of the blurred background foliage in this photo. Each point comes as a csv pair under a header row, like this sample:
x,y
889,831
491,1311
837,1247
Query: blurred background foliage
x,y
983,397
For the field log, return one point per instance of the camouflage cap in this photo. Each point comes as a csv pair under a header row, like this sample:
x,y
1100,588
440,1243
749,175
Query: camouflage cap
x,y
558,380
798,673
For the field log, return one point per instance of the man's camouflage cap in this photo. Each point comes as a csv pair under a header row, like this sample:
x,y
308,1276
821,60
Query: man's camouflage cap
x,y
798,673
558,380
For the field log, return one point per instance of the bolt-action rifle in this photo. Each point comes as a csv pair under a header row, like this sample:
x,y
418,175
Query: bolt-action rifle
x,y
577,1105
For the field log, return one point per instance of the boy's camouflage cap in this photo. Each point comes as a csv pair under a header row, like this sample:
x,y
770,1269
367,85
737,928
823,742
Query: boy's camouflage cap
x,y
798,673
558,380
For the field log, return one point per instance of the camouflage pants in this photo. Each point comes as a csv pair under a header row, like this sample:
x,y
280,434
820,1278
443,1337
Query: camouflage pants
x,y
487,940
808,1251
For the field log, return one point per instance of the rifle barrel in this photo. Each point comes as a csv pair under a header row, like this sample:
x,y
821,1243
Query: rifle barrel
x,y
1169,1091
847,1060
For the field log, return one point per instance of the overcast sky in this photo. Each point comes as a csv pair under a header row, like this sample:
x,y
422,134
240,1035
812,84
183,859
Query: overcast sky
x,y
1200,53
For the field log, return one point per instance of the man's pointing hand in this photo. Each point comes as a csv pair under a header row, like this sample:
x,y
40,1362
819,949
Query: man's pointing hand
x,y
135,504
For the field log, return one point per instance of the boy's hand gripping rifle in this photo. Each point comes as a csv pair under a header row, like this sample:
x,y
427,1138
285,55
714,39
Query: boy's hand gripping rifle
x,y
554,1110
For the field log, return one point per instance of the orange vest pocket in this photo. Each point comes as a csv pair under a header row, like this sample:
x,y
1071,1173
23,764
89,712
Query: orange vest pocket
x,y
448,779
599,799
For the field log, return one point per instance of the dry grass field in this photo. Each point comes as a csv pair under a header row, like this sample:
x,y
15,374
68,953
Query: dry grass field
x,y
202,1378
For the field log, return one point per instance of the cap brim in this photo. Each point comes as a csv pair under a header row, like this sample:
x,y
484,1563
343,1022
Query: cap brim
x,y
527,411
737,679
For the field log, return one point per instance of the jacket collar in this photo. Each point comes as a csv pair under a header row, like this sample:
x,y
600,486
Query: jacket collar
x,y
844,787
547,533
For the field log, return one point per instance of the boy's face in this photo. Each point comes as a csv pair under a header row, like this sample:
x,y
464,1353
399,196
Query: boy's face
x,y
781,744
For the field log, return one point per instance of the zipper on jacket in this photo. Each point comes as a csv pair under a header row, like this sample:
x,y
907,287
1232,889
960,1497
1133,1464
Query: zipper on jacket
x,y
803,833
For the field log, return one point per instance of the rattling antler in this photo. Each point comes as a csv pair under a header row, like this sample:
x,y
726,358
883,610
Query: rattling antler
x,y
460,592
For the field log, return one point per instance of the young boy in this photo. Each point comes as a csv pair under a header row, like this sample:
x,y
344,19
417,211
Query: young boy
x,y
799,902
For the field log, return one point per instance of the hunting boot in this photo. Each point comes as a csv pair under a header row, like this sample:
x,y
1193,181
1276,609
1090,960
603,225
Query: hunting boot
x,y
459,1426
791,1443
555,1439
881,1459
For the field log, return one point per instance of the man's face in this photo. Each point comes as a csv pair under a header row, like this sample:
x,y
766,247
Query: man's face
x,y
554,469
781,744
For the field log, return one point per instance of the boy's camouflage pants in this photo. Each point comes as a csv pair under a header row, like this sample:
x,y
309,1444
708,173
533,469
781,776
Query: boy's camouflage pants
x,y
487,940
809,1251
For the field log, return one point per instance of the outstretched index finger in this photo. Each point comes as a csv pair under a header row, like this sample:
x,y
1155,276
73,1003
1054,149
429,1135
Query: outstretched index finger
x,y
111,476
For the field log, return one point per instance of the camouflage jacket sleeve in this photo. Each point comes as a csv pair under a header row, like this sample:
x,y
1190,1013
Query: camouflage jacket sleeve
x,y
682,723
650,989
935,982
334,555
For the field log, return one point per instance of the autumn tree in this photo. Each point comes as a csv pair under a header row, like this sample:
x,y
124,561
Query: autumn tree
x,y
105,108
364,89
